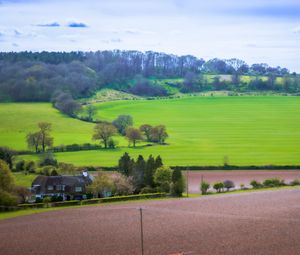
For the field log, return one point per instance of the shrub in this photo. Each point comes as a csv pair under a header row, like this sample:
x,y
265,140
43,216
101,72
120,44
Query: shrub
x,y
73,147
295,182
242,185
38,200
22,193
164,187
275,182
122,185
47,170
28,206
7,199
64,168
89,195
112,144
132,197
204,186
148,190
255,184
30,167
67,203
46,201
48,160
91,168
54,173
218,186
20,166
56,199
228,184
91,201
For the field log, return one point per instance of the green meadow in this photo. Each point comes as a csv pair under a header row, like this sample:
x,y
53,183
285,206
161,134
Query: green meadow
x,y
17,119
248,130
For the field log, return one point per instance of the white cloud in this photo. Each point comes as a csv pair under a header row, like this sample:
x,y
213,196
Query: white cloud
x,y
193,27
296,30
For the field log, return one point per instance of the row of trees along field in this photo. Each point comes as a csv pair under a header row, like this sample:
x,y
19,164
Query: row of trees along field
x,y
133,177
33,76
139,176
41,140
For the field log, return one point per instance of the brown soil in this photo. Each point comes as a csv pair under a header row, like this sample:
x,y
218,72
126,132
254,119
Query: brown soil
x,y
239,176
265,222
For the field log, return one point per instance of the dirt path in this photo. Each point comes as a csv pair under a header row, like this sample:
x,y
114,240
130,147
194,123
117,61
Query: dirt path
x,y
266,222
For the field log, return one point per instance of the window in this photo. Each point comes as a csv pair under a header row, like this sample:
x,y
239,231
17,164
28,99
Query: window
x,y
50,187
78,189
60,187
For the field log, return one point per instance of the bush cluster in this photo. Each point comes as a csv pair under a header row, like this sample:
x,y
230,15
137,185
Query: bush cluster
x,y
75,147
268,183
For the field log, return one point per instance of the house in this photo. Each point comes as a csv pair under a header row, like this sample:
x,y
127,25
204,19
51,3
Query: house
x,y
66,187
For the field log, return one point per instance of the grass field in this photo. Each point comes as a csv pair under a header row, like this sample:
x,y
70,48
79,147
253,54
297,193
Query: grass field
x,y
248,130
24,180
17,119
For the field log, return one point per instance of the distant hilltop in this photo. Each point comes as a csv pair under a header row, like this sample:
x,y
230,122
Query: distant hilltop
x,y
37,76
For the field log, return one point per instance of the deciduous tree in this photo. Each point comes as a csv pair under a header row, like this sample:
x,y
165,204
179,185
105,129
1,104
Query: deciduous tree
x,y
103,132
6,155
134,135
34,141
163,178
122,123
159,134
102,183
7,181
146,129
91,111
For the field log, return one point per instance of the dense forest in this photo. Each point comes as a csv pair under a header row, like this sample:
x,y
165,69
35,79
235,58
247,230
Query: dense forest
x,y
33,76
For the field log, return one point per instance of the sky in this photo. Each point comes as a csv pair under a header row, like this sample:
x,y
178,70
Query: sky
x,y
257,31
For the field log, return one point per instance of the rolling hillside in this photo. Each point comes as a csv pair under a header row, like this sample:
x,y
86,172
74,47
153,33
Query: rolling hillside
x,y
18,119
202,130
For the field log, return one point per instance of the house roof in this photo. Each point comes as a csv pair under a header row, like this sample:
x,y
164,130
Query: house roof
x,y
41,182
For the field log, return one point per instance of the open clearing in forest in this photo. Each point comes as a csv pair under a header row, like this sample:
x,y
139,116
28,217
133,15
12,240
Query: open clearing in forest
x,y
263,222
249,130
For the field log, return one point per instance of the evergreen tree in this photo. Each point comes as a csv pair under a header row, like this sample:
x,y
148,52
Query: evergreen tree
x,y
178,184
139,173
150,169
158,162
125,164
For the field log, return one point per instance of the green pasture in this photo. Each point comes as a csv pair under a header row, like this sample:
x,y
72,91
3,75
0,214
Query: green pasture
x,y
24,180
18,119
203,130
